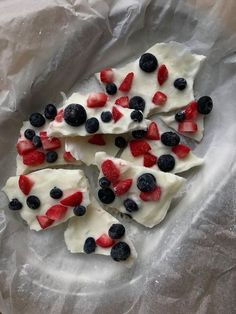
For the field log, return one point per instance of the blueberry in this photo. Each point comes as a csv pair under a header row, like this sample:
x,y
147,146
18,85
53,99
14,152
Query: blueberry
x,y
15,204
148,62
104,182
33,202
29,134
137,103
92,125
106,116
180,83
136,115
75,115
166,163
51,156
111,88
120,142
37,141
180,116
130,205
204,105
37,120
106,195
89,245
146,182
79,210
139,133
116,231
50,111
56,193
120,251
170,139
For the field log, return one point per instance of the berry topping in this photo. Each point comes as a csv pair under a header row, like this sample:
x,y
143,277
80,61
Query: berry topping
x,y
151,196
110,171
146,182
126,84
56,212
116,114
149,160
162,74
204,105
130,205
92,125
51,156
148,62
89,245
191,110
180,83
56,193
187,126
120,142
181,150
180,116
123,102
120,251
15,204
139,147
97,139
106,116
36,141
25,184
37,120
68,157
44,221
50,111
33,202
105,241
139,134
159,98
104,182
166,163
34,158
79,210
111,89
107,75
116,231
170,138
75,115
29,134
106,195
153,132
122,187
73,199
50,143
96,100
24,147
136,116
59,116
137,103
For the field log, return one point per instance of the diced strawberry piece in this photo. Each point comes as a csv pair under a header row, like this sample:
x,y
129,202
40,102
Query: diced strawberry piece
x,y
34,158
149,160
152,132
162,74
191,111
107,75
139,147
116,114
56,212
96,100
25,184
73,199
181,150
122,101
24,147
59,116
110,171
151,196
126,84
105,241
50,143
187,126
159,98
97,139
68,157
122,187
43,134
44,221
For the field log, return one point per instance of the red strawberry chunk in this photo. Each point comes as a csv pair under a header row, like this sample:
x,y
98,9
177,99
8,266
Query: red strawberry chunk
x,y
181,150
43,134
97,139
50,143
24,147
107,75
126,84
44,221
34,158
151,196
122,187
56,212
110,171
96,100
162,74
149,160
152,132
59,116
159,98
116,114
187,126
105,241
25,184
68,157
73,199
122,101
191,111
139,147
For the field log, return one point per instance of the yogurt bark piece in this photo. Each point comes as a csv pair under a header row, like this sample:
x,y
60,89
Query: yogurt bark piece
x,y
105,230
46,198
163,77
143,193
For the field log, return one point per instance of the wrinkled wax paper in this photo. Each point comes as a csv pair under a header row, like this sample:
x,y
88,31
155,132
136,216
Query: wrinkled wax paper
x,y
187,263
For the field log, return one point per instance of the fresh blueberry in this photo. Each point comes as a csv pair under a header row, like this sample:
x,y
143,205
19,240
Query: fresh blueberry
x,y
204,105
79,210
180,116
15,204
166,163
130,205
37,141
106,116
120,251
136,115
51,156
120,142
50,111
146,182
106,195
75,115
92,125
116,231
89,245
56,193
37,120
180,83
148,62
33,202
29,134
170,138
137,103
104,182
139,133
111,88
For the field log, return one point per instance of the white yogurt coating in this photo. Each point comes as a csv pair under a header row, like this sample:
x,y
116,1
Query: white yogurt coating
x,y
150,213
179,61
69,181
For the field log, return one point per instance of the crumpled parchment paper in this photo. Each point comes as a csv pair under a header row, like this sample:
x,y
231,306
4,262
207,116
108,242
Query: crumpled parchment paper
x,y
186,264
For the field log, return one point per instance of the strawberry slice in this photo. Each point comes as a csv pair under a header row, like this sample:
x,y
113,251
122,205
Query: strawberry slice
x,y
139,147
68,157
122,101
96,100
73,199
34,158
162,74
187,126
56,212
116,114
43,134
149,160
97,139
191,110
126,84
50,143
105,241
181,150
25,184
24,147
110,171
159,98
122,186
151,196
59,116
107,75
152,132
44,221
